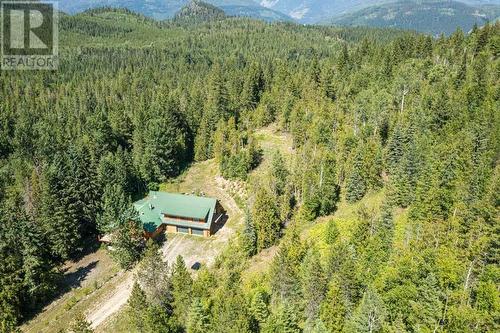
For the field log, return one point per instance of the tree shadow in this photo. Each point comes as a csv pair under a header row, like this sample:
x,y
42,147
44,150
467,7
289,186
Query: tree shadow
x,y
160,239
66,283
92,245
74,279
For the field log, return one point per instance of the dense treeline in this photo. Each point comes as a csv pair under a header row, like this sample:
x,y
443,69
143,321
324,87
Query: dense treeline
x,y
410,115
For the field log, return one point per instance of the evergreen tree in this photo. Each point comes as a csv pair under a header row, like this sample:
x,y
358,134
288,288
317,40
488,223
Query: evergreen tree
x,y
128,241
404,179
285,270
117,169
316,326
259,307
249,237
327,82
426,313
313,284
349,275
370,314
138,304
279,173
216,109
153,276
395,149
58,212
158,319
332,232
386,226
217,99
328,190
114,204
80,325
161,144
11,287
182,286
265,215
197,318
356,186
252,87
333,311
343,59
461,72
289,320
38,263
476,86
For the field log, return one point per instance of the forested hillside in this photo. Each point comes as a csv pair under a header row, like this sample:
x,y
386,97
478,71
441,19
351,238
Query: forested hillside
x,y
431,16
407,118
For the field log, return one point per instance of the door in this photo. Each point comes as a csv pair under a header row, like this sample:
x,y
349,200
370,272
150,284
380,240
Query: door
x,y
197,232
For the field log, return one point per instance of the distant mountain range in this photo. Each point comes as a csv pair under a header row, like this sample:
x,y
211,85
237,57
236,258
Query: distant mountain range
x,y
314,11
164,9
426,16
432,17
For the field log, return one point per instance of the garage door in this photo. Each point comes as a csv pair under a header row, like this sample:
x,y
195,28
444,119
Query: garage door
x,y
197,232
183,230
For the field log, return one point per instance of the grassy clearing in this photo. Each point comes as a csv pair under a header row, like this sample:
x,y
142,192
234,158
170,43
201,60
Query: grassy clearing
x,y
313,232
196,179
345,218
271,139
92,276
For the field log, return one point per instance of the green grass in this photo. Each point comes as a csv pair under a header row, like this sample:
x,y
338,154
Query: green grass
x,y
58,315
198,178
345,218
314,233
119,322
271,140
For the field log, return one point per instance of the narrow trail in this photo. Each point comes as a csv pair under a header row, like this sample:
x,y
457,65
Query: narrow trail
x,y
115,301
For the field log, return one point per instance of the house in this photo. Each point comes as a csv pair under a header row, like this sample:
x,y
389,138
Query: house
x,y
178,213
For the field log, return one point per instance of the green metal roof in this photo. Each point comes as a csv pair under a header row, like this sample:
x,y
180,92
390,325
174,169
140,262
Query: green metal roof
x,y
153,208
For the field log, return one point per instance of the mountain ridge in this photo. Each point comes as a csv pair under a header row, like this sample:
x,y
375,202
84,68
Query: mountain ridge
x,y
427,16
161,10
315,11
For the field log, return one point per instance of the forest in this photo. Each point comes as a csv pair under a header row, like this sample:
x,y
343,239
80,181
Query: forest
x,y
135,102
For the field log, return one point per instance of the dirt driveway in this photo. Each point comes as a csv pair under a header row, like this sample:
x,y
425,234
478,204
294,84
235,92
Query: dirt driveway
x,y
194,250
